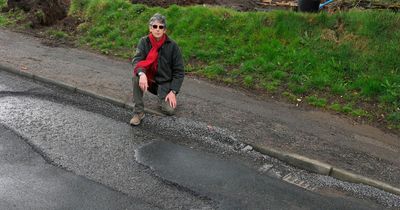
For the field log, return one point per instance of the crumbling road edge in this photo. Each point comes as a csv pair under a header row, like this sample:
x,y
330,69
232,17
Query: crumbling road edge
x,y
296,160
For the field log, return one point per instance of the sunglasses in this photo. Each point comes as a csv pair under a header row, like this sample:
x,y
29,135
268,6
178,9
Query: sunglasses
x,y
158,26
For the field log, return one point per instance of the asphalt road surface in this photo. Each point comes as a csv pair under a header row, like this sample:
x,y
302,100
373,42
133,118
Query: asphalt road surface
x,y
27,181
60,150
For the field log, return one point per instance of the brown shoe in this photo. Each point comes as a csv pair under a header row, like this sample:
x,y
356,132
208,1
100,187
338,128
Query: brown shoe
x,y
137,118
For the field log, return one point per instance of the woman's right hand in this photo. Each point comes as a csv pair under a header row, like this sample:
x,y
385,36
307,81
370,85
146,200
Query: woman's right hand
x,y
143,82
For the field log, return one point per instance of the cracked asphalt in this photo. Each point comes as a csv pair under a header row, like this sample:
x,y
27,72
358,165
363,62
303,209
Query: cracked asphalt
x,y
256,120
27,181
84,137
86,143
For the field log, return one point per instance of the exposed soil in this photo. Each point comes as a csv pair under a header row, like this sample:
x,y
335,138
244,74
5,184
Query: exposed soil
x,y
41,13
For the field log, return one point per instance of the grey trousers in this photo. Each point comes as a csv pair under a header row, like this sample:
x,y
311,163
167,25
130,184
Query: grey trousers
x,y
138,98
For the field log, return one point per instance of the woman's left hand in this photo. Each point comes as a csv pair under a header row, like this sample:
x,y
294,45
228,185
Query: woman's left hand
x,y
171,98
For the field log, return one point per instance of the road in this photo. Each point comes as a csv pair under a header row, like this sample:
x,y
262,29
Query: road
x,y
253,118
68,151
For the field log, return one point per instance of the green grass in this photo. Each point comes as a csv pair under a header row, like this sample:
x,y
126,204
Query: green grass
x,y
213,71
10,18
248,81
318,102
57,34
352,55
336,107
394,119
3,18
271,86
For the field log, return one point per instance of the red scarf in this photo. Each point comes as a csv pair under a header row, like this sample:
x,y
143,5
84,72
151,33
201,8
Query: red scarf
x,y
151,62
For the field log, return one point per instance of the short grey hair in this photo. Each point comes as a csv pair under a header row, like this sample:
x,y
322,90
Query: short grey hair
x,y
158,17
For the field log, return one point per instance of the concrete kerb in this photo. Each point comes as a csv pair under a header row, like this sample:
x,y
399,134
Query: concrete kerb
x,y
101,97
296,160
350,177
290,158
16,71
54,82
324,168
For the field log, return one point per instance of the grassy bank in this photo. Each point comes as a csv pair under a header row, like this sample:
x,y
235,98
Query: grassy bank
x,y
345,62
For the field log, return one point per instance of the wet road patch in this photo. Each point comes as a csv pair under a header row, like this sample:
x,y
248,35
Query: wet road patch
x,y
235,185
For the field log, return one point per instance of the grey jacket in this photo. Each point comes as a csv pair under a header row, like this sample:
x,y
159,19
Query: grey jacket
x,y
170,71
